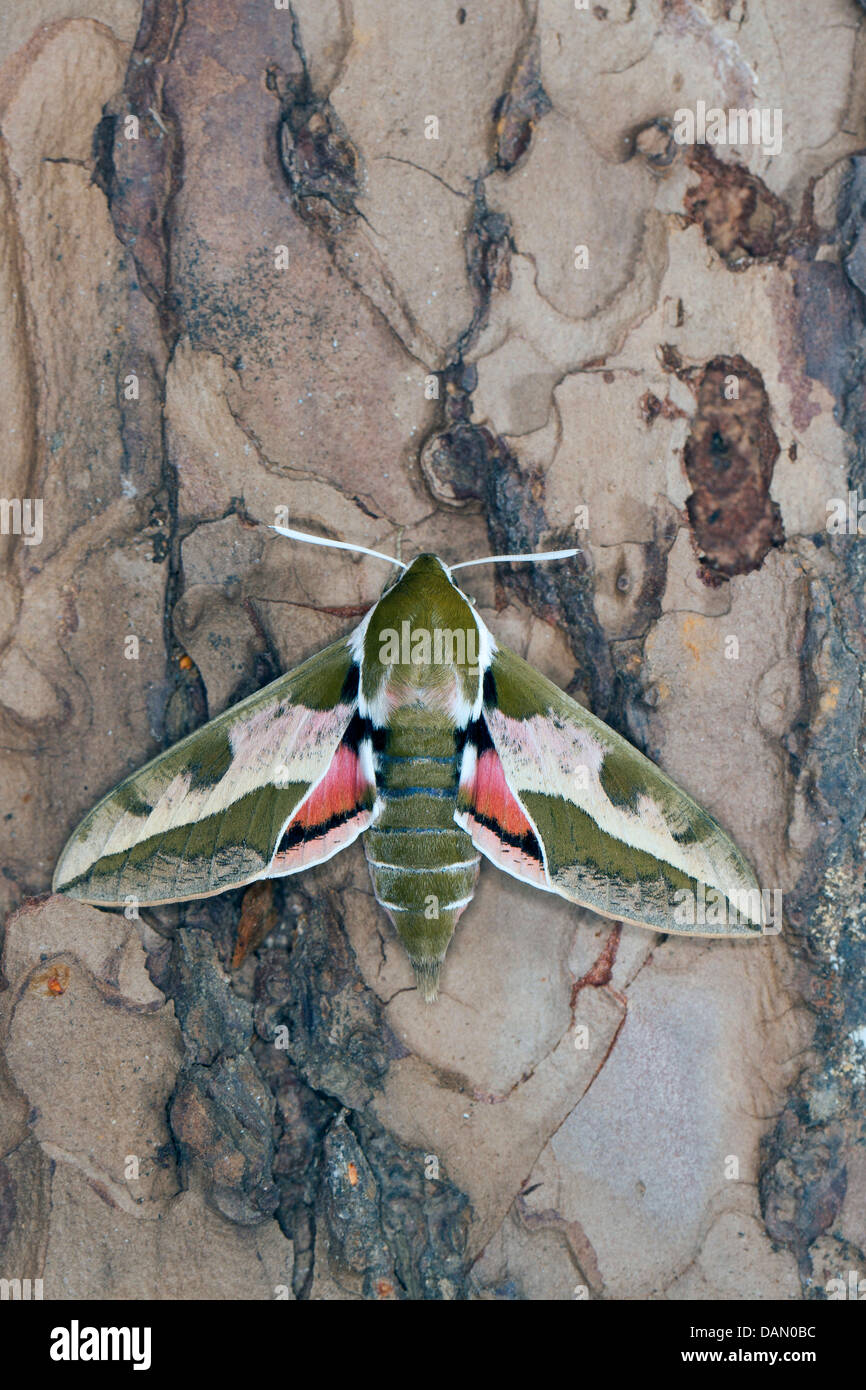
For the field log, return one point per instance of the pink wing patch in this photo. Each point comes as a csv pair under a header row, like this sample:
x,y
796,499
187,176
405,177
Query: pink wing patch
x,y
490,813
332,815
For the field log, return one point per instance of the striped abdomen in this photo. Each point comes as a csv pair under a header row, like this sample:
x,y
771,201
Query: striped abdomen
x,y
423,866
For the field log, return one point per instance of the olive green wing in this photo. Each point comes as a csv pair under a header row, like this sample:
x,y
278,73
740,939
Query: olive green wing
x,y
269,786
555,797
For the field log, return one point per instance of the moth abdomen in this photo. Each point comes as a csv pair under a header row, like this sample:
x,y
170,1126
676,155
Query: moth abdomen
x,y
423,866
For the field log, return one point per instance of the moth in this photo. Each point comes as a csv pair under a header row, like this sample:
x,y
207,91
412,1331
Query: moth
x,y
422,733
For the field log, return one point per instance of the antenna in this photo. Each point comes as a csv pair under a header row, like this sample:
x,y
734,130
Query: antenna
x,y
392,559
336,545
512,559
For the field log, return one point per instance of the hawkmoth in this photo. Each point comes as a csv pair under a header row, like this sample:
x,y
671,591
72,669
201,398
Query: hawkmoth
x,y
422,733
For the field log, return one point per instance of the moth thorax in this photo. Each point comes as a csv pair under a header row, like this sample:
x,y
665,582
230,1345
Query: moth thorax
x,y
428,647
432,665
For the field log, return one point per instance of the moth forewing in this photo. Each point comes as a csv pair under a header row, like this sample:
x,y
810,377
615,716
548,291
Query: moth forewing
x,y
209,813
608,827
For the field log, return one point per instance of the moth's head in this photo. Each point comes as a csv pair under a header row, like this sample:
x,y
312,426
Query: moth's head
x,y
427,572
423,642
425,591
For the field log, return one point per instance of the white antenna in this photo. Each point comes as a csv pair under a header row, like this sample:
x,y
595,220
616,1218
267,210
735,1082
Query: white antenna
x,y
378,555
336,545
511,559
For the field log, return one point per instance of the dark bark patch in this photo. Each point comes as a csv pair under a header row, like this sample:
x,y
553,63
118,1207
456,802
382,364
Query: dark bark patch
x,y
519,110
729,459
741,219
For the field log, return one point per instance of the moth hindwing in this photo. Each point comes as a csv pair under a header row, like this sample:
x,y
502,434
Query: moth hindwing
x,y
439,746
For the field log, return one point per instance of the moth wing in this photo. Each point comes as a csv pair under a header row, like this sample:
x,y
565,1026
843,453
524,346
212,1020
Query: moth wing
x,y
275,783
554,796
